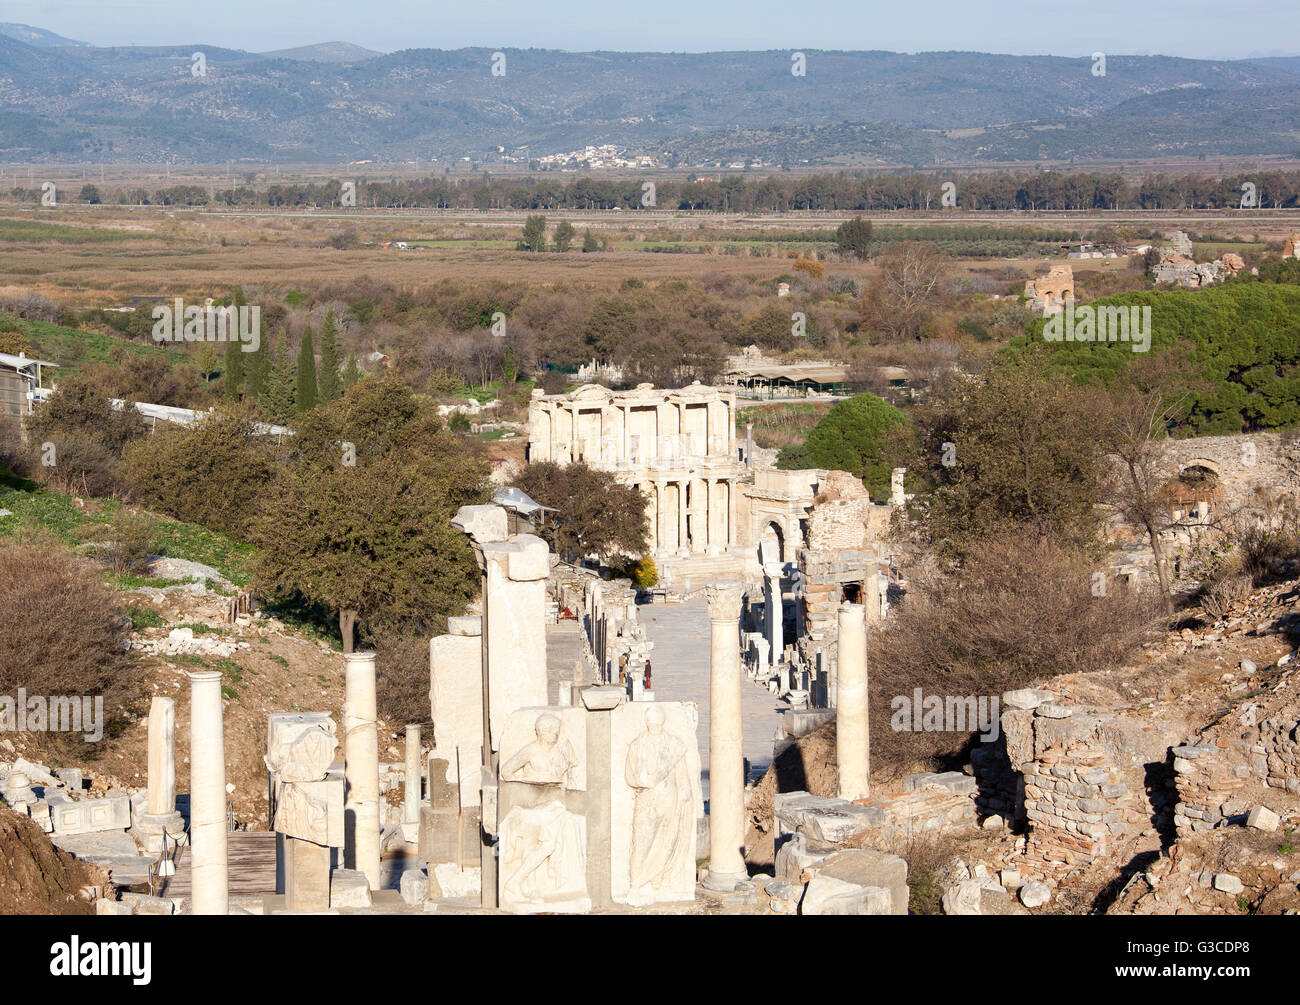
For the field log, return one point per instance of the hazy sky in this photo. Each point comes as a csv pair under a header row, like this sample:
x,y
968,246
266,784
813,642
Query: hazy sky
x,y
1220,29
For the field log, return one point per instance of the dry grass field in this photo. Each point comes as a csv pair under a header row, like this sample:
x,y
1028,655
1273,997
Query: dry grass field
x,y
87,256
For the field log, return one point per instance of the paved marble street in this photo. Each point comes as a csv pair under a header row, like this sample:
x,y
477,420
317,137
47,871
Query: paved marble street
x,y
680,662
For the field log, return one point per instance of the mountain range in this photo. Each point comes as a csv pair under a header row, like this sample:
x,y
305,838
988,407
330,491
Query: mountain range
x,y
69,102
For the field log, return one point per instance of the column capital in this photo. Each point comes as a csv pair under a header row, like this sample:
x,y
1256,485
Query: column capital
x,y
724,600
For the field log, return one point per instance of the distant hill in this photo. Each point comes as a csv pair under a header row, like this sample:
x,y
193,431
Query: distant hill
x,y
338,102
35,36
326,52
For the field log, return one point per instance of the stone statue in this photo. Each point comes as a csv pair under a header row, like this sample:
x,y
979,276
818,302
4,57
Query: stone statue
x,y
305,758
543,857
663,817
546,761
304,800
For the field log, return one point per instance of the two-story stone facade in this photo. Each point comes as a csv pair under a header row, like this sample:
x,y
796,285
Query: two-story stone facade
x,y
678,446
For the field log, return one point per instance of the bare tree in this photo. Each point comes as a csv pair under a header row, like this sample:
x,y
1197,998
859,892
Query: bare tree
x,y
1146,400
908,288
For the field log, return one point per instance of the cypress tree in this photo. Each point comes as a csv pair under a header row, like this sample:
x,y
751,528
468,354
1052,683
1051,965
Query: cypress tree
x,y
278,393
234,371
331,382
352,372
305,398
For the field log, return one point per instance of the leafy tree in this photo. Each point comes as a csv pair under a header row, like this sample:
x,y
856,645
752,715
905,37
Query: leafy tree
x,y
331,380
854,436
13,342
206,361
611,325
211,473
589,242
563,236
854,237
1010,451
305,391
595,514
372,540
87,436
534,238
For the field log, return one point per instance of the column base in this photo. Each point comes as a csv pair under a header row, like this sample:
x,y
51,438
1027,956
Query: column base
x,y
151,826
724,882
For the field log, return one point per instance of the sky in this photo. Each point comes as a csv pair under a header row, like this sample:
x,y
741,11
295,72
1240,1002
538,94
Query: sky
x,y
1206,29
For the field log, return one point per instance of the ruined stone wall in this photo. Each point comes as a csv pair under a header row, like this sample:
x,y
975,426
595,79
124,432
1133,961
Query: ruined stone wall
x,y
1211,772
1092,776
838,525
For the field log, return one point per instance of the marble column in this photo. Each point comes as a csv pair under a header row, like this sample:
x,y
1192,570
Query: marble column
x,y
160,817
775,611
711,515
726,741
208,856
659,519
852,730
361,767
683,542
411,803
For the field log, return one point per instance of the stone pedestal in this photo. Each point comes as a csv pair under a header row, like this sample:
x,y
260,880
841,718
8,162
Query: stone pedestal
x,y
208,856
852,730
361,768
307,875
726,748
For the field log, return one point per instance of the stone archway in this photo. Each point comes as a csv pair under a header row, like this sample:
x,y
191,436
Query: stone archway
x,y
771,544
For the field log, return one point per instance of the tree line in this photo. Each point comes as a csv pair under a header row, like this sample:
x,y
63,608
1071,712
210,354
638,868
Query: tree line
x,y
915,190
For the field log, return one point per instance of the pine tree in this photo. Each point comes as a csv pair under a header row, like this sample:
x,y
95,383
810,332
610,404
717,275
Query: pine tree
x,y
278,393
331,381
305,398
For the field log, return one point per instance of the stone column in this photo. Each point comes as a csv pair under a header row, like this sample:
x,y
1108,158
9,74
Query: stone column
x,y
208,857
775,610
361,767
160,817
749,445
852,732
871,592
731,513
682,490
726,741
710,515
658,546
411,804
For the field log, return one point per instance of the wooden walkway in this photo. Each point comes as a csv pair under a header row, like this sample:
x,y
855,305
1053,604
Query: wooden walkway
x,y
251,866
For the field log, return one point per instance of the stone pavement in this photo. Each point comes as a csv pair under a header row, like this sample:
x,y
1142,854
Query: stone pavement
x,y
680,666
